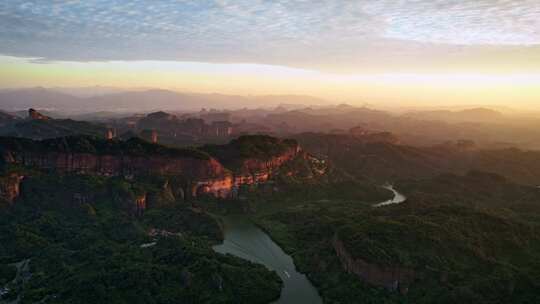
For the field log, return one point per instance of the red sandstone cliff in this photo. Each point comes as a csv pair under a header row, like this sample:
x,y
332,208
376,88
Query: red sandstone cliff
x,y
254,170
35,115
140,204
393,278
10,187
117,165
256,165
201,175
251,171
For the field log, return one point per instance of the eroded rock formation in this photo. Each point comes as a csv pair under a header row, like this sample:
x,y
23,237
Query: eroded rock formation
x,y
10,187
35,115
140,204
393,278
200,175
117,165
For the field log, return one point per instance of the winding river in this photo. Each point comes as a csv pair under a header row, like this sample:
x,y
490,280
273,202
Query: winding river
x,y
397,199
247,241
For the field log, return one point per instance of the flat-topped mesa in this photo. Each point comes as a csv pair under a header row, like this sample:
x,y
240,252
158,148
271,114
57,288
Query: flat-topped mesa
x,y
258,171
252,160
88,155
251,172
204,174
256,158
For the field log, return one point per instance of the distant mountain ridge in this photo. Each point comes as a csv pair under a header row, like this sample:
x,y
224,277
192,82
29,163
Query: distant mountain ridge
x,y
137,101
467,115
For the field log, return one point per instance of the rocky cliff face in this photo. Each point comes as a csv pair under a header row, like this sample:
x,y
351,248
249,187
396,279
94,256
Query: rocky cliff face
x,y
10,187
201,175
393,278
35,115
117,165
220,187
140,204
256,165
252,171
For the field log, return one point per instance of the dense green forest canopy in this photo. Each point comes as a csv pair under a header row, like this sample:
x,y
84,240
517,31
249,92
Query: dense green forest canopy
x,y
84,245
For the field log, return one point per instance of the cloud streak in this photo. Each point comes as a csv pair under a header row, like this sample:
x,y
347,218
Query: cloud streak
x,y
296,33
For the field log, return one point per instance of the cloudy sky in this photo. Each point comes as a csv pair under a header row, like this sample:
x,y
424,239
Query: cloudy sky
x,y
338,49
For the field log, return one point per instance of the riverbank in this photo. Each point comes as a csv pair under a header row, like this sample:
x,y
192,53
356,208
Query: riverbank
x,y
240,229
246,240
305,229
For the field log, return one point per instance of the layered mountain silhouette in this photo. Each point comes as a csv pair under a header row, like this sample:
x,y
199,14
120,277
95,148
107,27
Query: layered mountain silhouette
x,y
136,101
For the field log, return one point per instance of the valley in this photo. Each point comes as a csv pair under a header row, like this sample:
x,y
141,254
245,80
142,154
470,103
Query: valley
x,y
302,219
270,152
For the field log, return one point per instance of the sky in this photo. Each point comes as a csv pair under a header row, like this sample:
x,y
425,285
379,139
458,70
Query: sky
x,y
394,51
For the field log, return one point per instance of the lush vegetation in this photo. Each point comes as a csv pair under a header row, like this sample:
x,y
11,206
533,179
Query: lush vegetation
x,y
386,161
85,245
7,273
261,147
469,239
88,144
51,128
